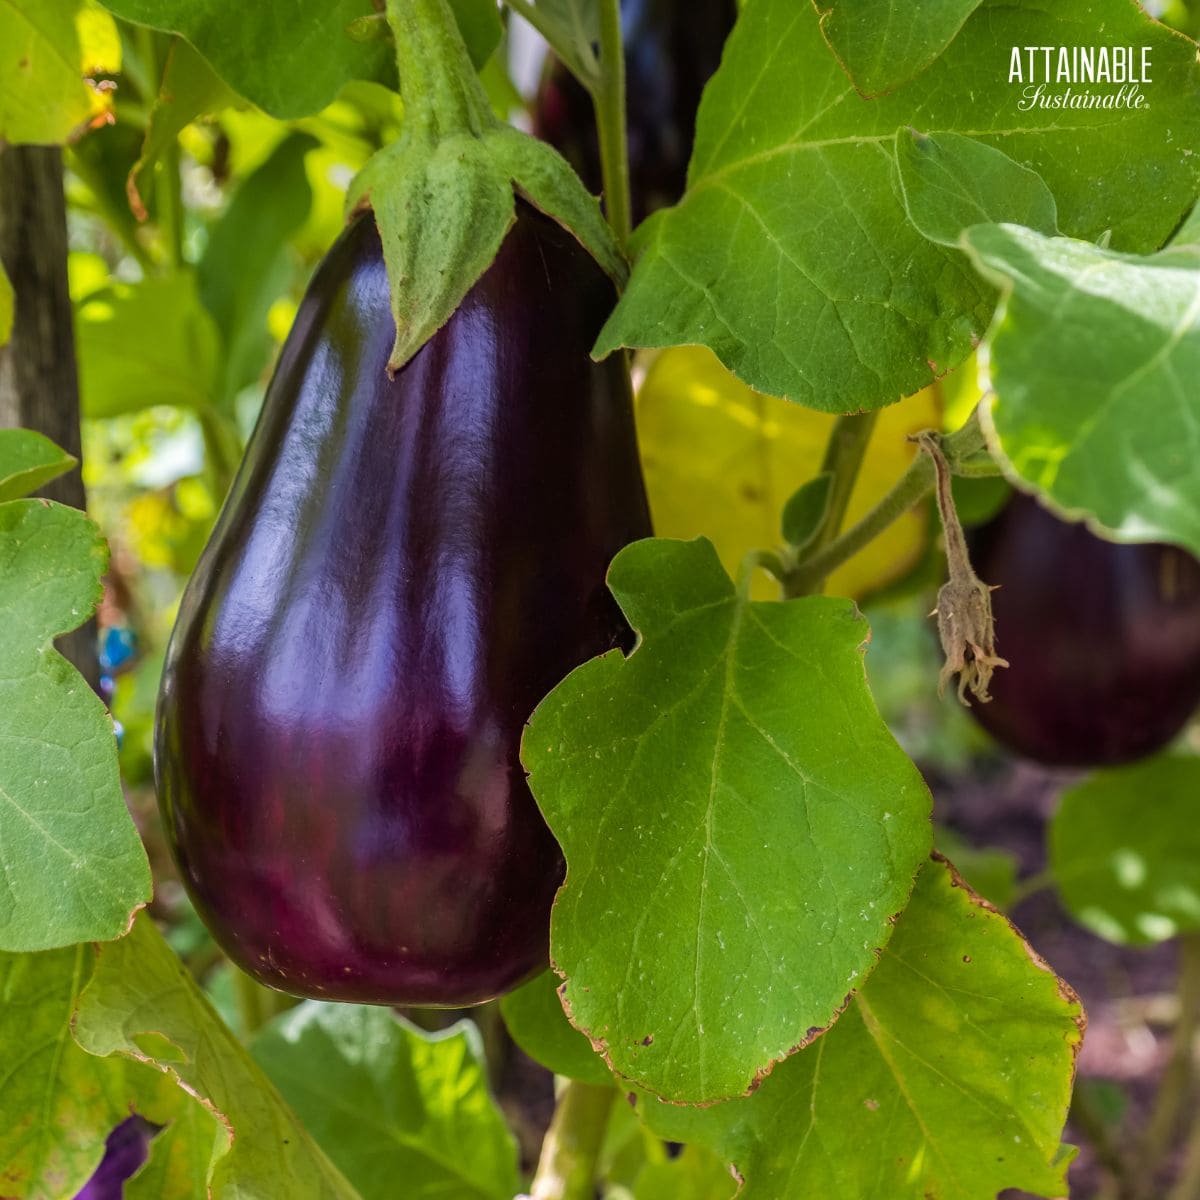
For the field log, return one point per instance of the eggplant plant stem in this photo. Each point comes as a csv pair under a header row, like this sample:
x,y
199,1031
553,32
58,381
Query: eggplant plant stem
x,y
1178,1077
912,487
844,454
567,1167
250,1005
609,100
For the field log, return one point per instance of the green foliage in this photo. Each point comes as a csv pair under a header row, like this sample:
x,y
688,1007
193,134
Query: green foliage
x,y
990,872
28,461
189,89
57,1104
710,773
791,255
884,43
247,264
143,1005
146,343
1094,357
697,1174
948,1076
951,182
535,1018
389,1102
1125,850
288,58
42,94
71,860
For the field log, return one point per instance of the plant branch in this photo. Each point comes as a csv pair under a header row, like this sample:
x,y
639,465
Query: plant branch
x,y
912,487
1178,1076
567,1167
844,454
608,96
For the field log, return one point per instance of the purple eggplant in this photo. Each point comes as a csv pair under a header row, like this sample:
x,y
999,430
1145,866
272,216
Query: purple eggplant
x,y
1103,640
124,1151
672,47
402,570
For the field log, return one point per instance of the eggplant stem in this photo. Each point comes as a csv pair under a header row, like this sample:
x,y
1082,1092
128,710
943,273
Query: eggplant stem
x,y
911,488
567,1167
608,98
438,83
1175,1089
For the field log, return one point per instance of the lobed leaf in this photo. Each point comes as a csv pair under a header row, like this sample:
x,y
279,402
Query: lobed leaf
x,y
1093,359
143,1004
740,828
57,1103
71,865
947,1077
791,255
534,1016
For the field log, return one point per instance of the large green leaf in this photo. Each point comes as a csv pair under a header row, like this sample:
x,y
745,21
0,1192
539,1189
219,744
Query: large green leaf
x,y
1125,850
736,819
57,1103
1094,357
143,1004
390,1102
946,1078
791,255
696,1174
884,43
246,267
42,94
289,57
146,343
28,461
535,1018
71,865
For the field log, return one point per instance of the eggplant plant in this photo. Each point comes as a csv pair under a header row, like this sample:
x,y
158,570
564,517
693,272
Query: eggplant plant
x,y
531,736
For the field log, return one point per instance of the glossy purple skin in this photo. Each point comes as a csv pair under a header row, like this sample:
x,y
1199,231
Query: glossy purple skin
x,y
124,1151
402,571
1103,640
672,47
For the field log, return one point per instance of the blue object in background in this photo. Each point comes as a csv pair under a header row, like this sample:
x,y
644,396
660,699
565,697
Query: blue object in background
x,y
118,645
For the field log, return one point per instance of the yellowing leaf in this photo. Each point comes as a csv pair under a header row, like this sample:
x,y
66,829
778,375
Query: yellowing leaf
x,y
99,41
722,459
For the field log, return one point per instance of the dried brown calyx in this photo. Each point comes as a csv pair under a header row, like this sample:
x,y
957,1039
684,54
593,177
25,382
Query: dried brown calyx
x,y
964,603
